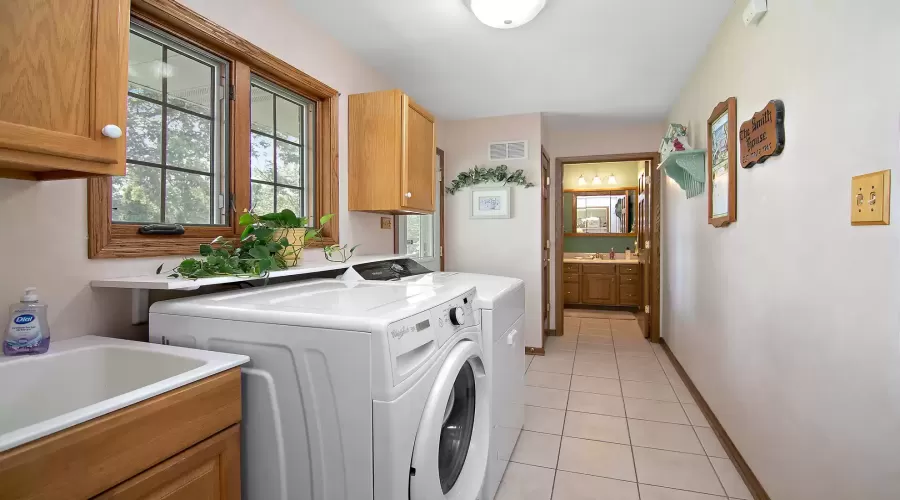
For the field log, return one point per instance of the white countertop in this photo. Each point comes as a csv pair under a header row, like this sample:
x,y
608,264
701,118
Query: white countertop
x,y
87,377
163,282
600,261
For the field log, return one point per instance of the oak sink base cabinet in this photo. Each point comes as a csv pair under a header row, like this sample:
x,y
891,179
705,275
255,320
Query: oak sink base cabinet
x,y
602,284
181,445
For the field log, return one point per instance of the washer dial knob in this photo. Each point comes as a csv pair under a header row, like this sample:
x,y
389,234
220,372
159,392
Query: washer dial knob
x,y
457,315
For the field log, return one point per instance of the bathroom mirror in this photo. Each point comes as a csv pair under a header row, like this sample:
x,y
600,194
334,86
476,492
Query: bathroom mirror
x,y
599,213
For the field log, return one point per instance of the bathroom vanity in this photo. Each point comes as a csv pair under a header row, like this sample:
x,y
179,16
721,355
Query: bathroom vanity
x,y
606,283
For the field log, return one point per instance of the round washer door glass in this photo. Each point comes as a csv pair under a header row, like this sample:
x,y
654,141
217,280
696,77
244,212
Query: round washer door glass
x,y
456,430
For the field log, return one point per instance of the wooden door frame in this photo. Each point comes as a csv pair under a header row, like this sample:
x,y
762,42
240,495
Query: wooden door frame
x,y
545,249
440,153
655,227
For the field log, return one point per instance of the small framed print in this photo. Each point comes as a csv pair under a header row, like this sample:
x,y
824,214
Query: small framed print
x,y
491,202
721,159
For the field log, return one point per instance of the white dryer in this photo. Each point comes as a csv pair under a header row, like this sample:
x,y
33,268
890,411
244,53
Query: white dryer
x,y
500,302
353,390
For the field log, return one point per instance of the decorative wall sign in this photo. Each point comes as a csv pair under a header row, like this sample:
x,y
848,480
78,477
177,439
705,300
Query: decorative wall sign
x,y
721,154
762,136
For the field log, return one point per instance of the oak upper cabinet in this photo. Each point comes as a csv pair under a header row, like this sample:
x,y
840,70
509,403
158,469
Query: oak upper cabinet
x,y
63,87
392,154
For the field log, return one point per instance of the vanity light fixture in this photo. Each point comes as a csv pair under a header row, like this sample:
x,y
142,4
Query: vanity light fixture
x,y
612,179
597,180
505,14
581,181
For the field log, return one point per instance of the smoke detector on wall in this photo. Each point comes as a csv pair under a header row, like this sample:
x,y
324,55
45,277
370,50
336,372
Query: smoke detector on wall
x,y
509,150
505,14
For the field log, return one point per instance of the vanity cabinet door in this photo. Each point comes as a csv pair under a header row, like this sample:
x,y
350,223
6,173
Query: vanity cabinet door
x,y
600,289
210,470
572,293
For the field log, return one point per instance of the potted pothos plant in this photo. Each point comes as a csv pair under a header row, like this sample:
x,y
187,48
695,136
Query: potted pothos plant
x,y
269,242
288,229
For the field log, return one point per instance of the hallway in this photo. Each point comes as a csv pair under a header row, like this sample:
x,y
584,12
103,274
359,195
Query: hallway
x,y
607,417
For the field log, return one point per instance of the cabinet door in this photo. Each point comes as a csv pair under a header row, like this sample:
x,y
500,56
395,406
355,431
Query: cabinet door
x,y
64,78
572,293
599,289
210,470
418,158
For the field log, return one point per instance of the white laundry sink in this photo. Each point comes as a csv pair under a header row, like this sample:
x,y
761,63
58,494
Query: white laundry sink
x,y
86,377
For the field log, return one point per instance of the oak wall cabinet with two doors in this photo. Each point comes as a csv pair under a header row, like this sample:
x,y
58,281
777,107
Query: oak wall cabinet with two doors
x,y
392,154
63,88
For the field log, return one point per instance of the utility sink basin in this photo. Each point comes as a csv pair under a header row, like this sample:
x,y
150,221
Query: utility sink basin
x,y
86,377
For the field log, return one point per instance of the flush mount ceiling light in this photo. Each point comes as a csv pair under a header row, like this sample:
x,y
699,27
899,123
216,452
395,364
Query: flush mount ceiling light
x,y
505,14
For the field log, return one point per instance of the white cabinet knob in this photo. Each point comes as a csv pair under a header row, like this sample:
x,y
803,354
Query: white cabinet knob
x,y
409,195
111,131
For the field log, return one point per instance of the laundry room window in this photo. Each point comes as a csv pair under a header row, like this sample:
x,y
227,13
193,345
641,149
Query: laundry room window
x,y
419,235
215,126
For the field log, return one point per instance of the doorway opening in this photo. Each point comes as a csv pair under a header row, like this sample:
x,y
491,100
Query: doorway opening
x,y
607,240
422,236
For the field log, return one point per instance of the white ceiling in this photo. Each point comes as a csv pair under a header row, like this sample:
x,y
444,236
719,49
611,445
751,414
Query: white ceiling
x,y
602,59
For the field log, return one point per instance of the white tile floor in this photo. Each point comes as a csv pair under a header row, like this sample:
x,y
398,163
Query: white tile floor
x,y
608,418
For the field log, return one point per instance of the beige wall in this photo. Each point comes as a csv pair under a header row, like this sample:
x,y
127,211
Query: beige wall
x,y
787,321
504,247
584,139
44,224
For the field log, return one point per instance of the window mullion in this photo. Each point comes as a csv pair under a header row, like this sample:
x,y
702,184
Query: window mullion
x,y
165,137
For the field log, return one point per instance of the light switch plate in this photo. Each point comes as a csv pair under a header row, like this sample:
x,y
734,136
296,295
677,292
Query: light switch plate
x,y
870,199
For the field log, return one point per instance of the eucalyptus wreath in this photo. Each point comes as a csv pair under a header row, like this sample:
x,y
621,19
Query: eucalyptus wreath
x,y
482,175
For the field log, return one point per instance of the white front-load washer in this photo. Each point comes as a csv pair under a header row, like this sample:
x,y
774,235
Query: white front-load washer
x,y
353,390
500,301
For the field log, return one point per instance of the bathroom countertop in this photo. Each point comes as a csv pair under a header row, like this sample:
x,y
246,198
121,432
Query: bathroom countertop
x,y
600,261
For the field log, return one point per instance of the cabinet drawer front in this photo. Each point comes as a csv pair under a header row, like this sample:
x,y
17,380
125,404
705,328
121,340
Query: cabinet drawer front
x,y
629,279
88,459
571,268
570,278
571,293
629,268
629,295
599,268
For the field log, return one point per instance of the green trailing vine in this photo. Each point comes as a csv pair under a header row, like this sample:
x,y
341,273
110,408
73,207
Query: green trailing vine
x,y
483,175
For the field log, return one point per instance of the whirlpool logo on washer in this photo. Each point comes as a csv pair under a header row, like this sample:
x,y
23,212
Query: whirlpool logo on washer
x,y
398,333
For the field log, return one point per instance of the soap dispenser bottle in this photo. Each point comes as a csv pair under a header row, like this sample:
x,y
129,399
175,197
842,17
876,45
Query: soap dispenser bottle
x,y
28,331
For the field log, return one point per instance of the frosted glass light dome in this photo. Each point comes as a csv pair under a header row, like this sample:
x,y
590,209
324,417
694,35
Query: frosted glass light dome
x,y
506,14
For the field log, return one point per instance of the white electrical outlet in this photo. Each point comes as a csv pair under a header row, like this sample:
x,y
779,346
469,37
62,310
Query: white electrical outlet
x,y
754,12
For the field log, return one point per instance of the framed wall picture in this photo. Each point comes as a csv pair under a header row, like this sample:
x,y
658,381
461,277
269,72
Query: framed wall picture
x,y
491,202
721,154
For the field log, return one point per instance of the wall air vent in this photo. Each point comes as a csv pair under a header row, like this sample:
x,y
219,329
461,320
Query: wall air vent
x,y
509,150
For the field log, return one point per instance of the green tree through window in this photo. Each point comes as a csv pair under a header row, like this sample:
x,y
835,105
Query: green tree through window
x,y
174,161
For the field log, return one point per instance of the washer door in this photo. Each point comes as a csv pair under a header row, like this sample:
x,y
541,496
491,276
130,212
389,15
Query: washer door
x,y
450,455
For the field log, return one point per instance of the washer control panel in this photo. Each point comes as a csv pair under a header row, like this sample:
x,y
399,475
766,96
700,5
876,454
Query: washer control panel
x,y
413,339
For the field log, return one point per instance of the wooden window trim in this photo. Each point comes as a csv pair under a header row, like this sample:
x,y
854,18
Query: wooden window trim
x,y
108,240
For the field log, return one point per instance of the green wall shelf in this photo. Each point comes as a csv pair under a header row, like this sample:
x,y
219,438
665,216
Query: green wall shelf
x,y
688,169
